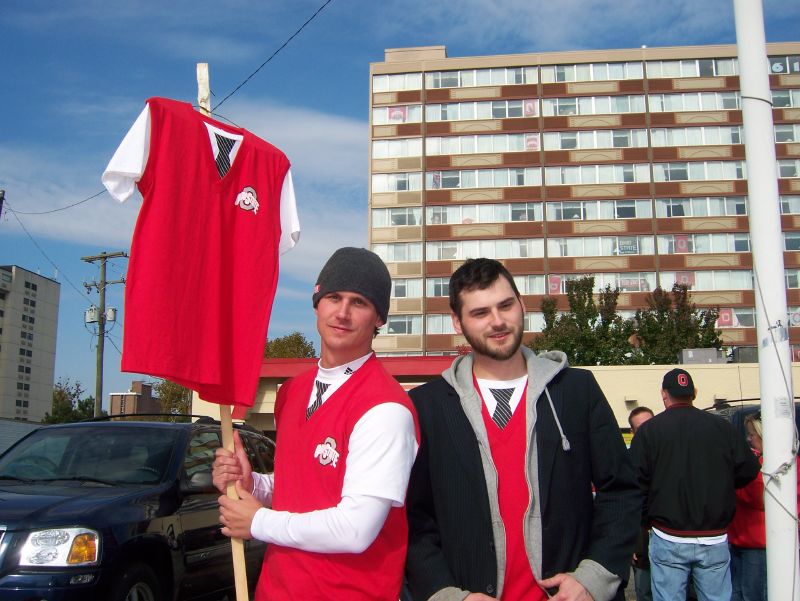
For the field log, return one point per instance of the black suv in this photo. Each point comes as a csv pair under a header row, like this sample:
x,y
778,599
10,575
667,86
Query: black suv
x,y
118,510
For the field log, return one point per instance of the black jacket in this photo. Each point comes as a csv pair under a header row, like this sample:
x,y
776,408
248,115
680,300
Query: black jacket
x,y
451,538
689,463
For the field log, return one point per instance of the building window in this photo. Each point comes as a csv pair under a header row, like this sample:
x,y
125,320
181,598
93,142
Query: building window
x,y
704,206
392,115
696,136
437,323
592,105
403,324
788,168
396,217
398,252
437,287
396,182
533,322
386,149
484,213
791,241
598,209
789,132
786,98
694,101
449,250
597,174
709,280
790,204
407,288
672,244
703,67
600,246
492,109
483,178
397,82
483,143
784,64
467,78
700,170
592,72
530,284
610,138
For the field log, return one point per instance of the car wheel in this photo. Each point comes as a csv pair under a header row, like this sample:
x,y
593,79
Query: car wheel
x,y
136,582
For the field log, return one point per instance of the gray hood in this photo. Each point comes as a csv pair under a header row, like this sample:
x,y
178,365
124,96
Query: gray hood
x,y
541,369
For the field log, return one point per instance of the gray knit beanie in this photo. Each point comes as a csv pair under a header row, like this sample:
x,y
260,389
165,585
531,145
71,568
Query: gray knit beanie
x,y
356,270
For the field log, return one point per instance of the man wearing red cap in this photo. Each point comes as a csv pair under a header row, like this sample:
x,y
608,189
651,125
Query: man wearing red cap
x,y
689,462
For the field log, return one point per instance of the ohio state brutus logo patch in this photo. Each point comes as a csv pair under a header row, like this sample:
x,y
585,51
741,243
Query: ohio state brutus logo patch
x,y
326,452
247,200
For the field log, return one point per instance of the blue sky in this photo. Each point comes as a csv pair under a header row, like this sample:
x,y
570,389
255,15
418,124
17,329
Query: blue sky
x,y
77,72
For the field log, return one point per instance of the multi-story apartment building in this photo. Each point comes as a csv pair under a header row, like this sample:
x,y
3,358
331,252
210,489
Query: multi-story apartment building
x,y
28,323
628,165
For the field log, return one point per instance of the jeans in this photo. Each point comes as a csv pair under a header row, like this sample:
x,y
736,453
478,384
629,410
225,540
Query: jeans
x,y
672,564
641,580
749,574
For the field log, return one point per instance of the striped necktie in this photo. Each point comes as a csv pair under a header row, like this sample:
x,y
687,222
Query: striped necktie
x,y
223,160
502,413
321,388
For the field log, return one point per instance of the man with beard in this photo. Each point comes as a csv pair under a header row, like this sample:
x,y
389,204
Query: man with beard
x,y
500,500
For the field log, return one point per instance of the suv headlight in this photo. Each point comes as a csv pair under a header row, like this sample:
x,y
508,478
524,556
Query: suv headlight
x,y
61,547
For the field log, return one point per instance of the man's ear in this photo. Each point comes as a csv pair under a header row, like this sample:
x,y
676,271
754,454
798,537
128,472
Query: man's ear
x,y
456,323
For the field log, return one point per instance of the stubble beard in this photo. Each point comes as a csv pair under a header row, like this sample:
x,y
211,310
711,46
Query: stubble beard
x,y
481,346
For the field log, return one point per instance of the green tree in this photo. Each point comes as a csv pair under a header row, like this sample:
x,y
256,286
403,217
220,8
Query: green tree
x,y
591,332
671,322
68,404
173,397
293,345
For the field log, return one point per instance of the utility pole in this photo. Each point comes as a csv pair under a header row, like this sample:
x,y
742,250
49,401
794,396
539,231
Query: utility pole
x,y
101,320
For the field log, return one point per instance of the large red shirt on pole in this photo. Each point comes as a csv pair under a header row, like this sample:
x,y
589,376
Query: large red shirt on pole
x,y
204,257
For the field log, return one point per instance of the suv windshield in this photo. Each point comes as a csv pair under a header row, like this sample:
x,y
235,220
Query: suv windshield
x,y
129,455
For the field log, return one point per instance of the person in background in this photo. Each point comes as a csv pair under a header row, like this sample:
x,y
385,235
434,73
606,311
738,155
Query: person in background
x,y
747,532
689,463
641,562
332,513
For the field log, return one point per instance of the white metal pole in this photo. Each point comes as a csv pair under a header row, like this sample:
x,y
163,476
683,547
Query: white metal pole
x,y
774,356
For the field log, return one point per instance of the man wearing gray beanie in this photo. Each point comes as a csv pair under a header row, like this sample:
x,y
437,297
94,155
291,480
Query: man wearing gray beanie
x,y
347,438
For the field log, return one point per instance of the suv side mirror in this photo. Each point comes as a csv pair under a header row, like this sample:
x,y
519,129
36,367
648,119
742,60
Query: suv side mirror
x,y
200,482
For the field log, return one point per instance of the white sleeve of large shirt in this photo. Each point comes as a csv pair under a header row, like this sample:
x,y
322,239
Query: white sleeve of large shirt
x,y
381,451
130,159
127,165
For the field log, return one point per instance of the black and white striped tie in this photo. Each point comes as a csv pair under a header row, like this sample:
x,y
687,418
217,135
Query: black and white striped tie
x,y
502,413
223,160
321,388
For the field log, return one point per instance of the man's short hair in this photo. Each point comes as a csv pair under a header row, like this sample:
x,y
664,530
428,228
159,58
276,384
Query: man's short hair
x,y
636,412
476,274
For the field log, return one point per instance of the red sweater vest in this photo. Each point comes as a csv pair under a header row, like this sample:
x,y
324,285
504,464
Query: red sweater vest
x,y
203,270
508,453
310,462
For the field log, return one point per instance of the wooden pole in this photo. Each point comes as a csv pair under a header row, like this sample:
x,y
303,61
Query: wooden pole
x,y
237,545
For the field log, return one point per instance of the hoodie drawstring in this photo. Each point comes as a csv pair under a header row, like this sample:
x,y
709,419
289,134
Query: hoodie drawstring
x,y
564,442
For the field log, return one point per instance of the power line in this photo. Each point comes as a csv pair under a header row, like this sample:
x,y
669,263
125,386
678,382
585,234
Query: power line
x,y
74,204
236,89
41,250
